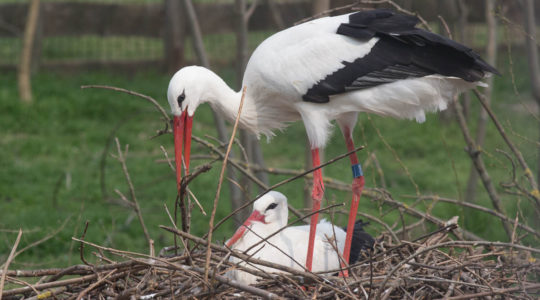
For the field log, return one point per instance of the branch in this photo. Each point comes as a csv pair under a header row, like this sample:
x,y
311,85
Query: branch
x,y
121,158
8,261
148,98
216,199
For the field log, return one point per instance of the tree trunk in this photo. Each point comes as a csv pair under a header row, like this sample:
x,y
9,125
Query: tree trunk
x,y
532,55
319,6
491,50
464,38
24,72
251,145
276,16
234,191
175,35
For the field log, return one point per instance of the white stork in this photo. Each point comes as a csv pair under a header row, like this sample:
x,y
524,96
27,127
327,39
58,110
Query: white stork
x,y
287,247
330,69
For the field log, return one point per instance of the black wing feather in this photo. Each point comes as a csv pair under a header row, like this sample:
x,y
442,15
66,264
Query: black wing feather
x,y
403,51
361,241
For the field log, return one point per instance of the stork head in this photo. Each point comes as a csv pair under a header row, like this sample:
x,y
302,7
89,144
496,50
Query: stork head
x,y
185,93
270,209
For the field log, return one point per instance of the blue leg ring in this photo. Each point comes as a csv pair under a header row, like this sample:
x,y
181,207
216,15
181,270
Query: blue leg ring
x,y
357,171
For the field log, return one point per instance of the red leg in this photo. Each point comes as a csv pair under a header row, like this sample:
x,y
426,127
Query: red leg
x,y
316,195
357,187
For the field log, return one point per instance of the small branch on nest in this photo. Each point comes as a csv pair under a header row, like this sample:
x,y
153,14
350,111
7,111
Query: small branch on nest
x,y
122,159
216,199
8,261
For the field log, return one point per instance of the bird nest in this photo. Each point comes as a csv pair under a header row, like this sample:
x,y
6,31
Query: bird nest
x,y
432,266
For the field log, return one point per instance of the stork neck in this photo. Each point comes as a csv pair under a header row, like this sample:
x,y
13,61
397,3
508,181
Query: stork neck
x,y
225,100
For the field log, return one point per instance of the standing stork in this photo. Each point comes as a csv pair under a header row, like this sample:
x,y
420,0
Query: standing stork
x,y
330,69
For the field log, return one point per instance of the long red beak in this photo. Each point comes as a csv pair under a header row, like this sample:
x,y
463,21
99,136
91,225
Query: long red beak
x,y
182,142
255,216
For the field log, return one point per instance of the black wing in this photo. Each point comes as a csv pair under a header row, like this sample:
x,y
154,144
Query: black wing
x,y
361,241
403,51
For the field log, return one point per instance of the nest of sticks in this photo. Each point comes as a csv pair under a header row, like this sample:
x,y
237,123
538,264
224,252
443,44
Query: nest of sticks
x,y
430,267
447,263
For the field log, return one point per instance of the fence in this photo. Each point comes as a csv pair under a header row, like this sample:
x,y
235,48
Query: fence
x,y
85,34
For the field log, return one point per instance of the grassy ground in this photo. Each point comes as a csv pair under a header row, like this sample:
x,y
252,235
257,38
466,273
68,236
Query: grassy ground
x,y
51,157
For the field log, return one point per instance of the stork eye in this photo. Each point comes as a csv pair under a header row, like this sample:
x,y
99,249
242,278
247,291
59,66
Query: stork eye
x,y
271,206
181,98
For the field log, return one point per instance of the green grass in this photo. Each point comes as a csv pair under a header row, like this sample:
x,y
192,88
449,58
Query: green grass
x,y
51,154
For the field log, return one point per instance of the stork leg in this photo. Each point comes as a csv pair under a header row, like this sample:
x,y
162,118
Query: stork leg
x,y
357,187
316,196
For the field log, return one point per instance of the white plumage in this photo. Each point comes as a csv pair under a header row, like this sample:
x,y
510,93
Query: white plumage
x,y
331,69
288,247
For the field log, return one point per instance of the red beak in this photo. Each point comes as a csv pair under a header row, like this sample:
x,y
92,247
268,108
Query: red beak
x,y
182,142
255,216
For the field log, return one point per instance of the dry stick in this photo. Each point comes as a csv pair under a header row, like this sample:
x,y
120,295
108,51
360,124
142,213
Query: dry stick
x,y
244,287
399,8
93,285
242,256
237,165
262,240
81,247
8,261
396,156
302,174
136,207
483,209
309,275
450,244
216,199
152,261
414,212
378,221
66,282
42,240
535,194
327,12
495,292
152,100
478,162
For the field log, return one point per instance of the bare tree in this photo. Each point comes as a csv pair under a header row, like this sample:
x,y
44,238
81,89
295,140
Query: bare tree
x,y
276,16
250,143
319,6
24,74
532,54
196,34
464,36
491,49
174,36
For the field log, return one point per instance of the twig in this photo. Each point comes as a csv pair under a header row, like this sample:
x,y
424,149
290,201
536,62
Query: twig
x,y
302,174
216,199
136,207
8,261
478,162
148,98
44,239
534,194
483,209
327,12
93,285
81,247
496,292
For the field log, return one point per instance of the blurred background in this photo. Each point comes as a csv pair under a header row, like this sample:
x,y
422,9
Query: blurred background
x,y
59,162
